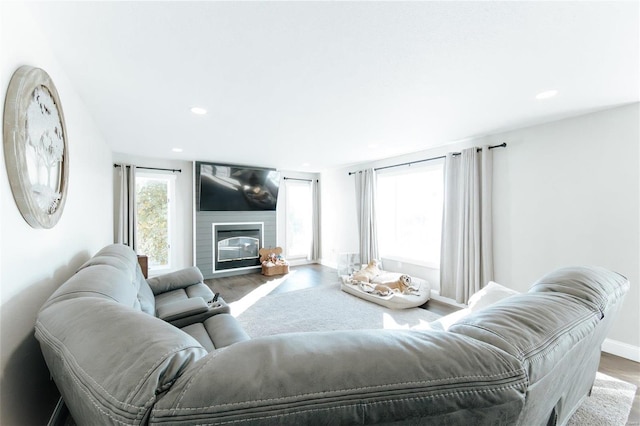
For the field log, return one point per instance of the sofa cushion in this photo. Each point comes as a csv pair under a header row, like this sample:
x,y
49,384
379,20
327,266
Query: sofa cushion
x,y
225,330
198,332
181,309
200,290
170,297
217,332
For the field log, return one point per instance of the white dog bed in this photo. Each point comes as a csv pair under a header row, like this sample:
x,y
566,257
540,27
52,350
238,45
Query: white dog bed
x,y
393,300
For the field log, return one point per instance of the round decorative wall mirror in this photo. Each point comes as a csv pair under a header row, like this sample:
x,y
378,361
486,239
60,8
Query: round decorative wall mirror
x,y
35,146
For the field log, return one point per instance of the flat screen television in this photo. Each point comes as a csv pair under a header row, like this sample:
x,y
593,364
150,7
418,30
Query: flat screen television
x,y
223,187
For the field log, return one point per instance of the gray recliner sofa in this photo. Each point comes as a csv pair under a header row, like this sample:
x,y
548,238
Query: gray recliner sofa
x,y
529,359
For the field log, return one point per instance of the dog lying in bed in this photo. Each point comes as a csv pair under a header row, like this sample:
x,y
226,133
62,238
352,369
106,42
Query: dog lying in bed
x,y
366,276
368,273
401,285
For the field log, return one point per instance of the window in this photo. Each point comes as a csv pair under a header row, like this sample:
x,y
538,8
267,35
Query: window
x,y
409,213
155,214
298,217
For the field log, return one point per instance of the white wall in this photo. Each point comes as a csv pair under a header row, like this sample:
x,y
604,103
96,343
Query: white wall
x,y
34,262
339,226
182,246
565,193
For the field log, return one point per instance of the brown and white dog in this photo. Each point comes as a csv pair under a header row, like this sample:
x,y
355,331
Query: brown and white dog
x,y
401,285
367,273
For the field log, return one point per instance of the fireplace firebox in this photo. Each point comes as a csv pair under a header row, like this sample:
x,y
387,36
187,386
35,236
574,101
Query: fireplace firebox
x,y
236,245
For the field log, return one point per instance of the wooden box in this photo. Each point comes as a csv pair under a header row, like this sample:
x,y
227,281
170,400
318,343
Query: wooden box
x,y
281,267
275,270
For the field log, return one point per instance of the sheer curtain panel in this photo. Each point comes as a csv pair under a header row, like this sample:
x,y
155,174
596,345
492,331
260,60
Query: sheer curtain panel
x,y
126,205
466,262
315,219
365,194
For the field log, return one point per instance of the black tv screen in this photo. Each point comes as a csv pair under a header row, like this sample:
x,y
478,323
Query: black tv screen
x,y
224,187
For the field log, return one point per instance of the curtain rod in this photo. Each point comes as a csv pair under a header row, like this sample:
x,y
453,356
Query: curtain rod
x,y
303,180
152,168
502,145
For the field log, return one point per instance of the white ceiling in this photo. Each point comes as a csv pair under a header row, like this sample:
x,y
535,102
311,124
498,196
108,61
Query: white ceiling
x,y
314,85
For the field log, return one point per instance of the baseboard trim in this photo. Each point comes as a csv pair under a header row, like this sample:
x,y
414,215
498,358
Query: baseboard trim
x,y
328,263
435,295
621,349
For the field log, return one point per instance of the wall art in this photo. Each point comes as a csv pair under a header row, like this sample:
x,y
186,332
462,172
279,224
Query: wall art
x,y
35,146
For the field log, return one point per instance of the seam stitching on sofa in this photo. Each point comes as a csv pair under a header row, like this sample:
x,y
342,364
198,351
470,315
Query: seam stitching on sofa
x,y
57,345
252,419
548,349
163,357
212,356
83,291
501,375
495,333
545,337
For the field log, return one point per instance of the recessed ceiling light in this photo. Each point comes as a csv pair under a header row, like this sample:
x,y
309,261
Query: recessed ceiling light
x,y
177,150
372,145
305,164
198,110
546,94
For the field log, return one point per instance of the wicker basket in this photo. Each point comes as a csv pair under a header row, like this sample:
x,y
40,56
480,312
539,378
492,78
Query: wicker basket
x,y
277,269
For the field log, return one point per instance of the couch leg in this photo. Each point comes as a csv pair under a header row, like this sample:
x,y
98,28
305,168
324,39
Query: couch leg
x,y
60,414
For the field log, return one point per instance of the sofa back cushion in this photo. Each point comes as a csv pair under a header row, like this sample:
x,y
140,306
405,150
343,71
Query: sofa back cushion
x,y
125,259
538,328
99,281
594,286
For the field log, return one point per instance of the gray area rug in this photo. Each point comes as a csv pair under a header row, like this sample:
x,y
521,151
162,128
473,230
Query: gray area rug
x,y
609,403
328,308
324,308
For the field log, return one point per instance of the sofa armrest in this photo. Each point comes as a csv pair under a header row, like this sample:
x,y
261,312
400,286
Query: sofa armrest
x,y
219,307
175,280
352,377
182,308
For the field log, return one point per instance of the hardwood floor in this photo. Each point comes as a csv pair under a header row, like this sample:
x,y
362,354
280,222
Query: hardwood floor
x,y
306,276
629,371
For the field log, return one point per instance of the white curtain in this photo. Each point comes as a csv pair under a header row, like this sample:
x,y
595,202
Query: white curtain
x,y
365,202
125,199
466,260
315,220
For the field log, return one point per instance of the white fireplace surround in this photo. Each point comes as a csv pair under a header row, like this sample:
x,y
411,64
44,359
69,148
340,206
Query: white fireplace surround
x,y
215,228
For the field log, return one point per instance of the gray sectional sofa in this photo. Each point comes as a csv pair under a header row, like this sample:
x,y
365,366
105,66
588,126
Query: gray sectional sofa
x,y
529,359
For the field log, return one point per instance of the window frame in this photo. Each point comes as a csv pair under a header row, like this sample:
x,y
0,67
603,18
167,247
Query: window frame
x,y
435,165
170,178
